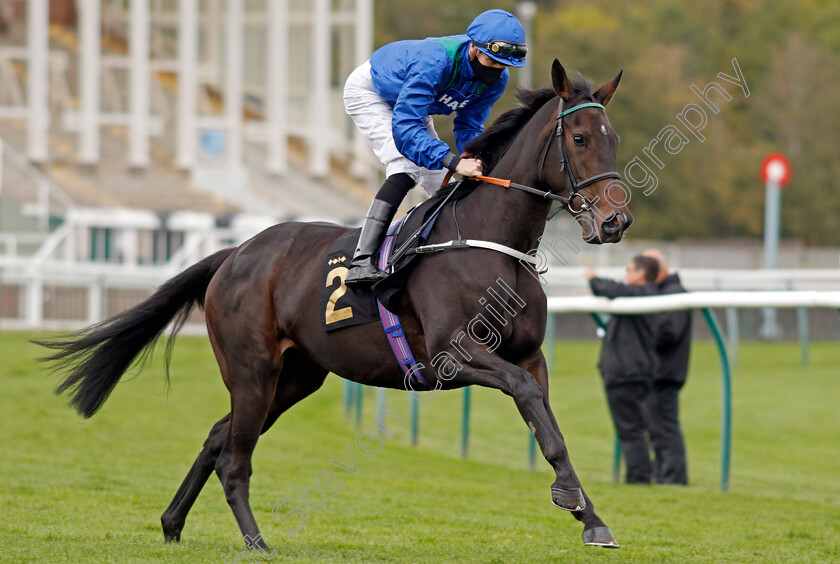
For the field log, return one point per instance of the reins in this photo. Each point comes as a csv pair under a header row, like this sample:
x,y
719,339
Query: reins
x,y
565,165
574,190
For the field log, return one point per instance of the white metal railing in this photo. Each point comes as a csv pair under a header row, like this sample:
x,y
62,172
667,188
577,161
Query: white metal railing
x,y
32,285
570,279
11,243
30,278
695,300
46,189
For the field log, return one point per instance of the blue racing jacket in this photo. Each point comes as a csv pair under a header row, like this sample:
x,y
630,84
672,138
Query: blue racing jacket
x,y
432,76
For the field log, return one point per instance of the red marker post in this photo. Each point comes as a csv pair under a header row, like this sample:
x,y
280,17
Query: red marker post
x,y
775,172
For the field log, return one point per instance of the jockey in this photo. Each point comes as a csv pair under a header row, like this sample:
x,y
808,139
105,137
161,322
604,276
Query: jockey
x,y
392,97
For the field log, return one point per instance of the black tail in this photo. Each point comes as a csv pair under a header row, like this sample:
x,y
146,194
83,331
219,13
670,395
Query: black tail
x,y
98,356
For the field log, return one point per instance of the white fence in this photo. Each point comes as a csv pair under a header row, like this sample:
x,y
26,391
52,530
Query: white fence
x,y
570,279
695,300
58,295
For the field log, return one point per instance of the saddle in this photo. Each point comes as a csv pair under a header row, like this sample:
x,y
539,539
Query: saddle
x,y
347,306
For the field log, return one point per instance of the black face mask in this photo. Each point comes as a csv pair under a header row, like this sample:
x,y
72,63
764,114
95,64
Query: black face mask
x,y
487,75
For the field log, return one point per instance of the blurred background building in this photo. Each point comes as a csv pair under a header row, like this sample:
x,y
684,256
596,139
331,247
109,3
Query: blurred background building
x,y
137,136
223,108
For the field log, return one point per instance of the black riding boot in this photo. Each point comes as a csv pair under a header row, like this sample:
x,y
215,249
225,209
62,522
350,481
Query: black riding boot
x,y
363,268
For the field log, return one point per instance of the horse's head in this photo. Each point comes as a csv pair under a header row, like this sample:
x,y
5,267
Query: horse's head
x,y
584,171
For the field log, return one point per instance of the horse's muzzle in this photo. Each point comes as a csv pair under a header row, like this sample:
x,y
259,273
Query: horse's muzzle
x,y
613,227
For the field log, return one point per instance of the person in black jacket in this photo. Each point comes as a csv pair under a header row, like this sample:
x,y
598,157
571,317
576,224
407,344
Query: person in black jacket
x,y
673,345
627,364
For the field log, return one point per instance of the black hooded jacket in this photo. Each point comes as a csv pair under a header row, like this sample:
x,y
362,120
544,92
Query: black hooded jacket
x,y
627,353
673,336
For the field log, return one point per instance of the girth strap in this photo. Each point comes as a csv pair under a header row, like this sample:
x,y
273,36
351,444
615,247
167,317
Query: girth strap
x,y
477,243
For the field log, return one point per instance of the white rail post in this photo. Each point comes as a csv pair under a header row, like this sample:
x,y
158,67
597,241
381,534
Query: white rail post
x,y
526,12
769,329
37,23
233,74
138,150
96,300
363,48
34,313
802,329
187,81
319,109
1,165
733,331
89,76
213,31
278,89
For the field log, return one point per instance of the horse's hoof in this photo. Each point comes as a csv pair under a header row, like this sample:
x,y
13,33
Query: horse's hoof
x,y
568,499
256,543
172,531
599,536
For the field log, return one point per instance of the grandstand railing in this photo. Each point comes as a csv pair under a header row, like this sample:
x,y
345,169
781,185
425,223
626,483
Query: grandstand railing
x,y
49,196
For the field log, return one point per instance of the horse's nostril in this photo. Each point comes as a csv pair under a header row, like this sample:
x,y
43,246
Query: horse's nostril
x,y
611,220
613,223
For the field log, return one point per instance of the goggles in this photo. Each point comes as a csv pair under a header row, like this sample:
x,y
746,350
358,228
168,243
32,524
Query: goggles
x,y
505,48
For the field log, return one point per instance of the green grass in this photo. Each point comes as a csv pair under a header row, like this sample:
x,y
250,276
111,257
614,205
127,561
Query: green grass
x,y
93,491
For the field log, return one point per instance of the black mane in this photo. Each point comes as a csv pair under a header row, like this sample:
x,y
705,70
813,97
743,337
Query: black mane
x,y
496,139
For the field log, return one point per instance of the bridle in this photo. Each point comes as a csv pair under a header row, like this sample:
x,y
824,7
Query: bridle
x,y
565,165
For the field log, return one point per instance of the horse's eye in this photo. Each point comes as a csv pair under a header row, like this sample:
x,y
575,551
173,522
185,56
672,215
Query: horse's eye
x,y
579,140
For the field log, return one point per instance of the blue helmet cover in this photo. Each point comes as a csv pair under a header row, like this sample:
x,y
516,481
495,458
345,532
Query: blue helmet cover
x,y
497,25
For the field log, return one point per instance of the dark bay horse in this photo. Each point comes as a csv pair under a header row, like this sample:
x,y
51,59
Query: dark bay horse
x,y
265,322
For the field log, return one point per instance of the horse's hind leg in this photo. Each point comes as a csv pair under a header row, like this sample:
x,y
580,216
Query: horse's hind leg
x,y
299,378
253,416
175,515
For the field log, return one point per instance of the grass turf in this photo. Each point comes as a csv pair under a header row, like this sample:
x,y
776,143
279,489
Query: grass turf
x,y
93,491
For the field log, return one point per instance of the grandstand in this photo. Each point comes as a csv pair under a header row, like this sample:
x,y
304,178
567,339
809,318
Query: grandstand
x,y
136,108
130,148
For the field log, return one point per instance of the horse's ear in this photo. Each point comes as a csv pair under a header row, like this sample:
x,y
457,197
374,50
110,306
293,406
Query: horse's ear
x,y
605,93
560,81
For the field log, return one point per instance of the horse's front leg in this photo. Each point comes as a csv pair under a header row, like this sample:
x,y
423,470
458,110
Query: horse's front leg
x,y
595,532
490,370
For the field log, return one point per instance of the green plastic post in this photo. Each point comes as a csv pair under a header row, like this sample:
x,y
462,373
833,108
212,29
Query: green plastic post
x,y
358,393
616,470
380,405
802,322
549,344
465,424
532,451
726,408
348,398
415,419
